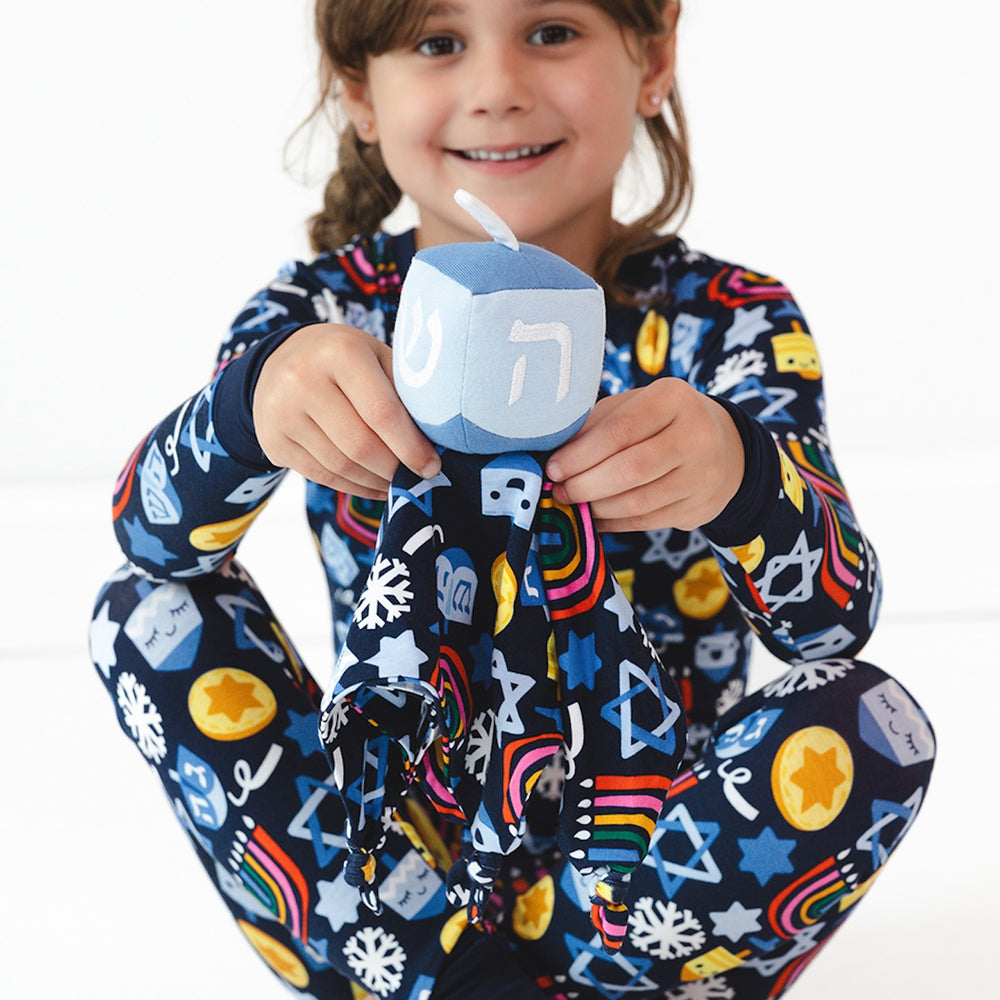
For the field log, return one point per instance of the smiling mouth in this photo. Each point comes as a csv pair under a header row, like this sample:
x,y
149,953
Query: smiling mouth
x,y
506,155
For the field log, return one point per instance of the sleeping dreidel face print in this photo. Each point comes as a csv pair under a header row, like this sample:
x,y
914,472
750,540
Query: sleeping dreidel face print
x,y
165,626
456,586
891,723
511,486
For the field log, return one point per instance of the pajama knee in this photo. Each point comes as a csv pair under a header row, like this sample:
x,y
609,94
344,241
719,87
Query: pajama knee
x,y
211,693
845,749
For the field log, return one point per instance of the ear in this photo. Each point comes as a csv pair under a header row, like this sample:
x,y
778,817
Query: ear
x,y
660,60
355,98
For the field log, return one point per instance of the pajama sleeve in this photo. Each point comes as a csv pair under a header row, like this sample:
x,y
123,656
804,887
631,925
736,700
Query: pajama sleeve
x,y
789,546
198,480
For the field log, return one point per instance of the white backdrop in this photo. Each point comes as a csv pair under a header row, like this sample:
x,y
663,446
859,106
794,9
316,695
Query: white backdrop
x,y
850,149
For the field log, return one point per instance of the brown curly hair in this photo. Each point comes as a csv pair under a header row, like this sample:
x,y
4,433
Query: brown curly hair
x,y
361,193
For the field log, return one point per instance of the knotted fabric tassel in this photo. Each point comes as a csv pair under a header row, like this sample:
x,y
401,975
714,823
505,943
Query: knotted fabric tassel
x,y
359,873
608,911
471,881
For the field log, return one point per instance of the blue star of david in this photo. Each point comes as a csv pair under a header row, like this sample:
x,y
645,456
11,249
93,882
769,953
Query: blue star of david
x,y
618,712
580,662
302,729
700,866
885,813
686,288
305,824
586,953
776,399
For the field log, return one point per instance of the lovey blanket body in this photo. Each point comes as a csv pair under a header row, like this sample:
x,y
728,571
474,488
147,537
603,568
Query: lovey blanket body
x,y
491,635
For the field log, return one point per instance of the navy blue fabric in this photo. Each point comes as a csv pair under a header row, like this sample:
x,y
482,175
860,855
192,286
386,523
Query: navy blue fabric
x,y
794,797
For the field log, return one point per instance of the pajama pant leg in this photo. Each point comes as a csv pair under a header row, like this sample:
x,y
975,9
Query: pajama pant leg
x,y
762,850
212,693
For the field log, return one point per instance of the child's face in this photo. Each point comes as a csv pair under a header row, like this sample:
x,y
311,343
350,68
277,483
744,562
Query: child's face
x,y
551,86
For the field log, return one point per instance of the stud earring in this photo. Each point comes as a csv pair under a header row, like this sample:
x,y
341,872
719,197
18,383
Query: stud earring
x,y
655,100
364,126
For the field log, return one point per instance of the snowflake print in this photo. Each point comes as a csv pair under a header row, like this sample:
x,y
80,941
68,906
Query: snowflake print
x,y
730,695
736,369
480,745
142,717
332,719
664,930
376,958
713,988
387,593
327,308
808,677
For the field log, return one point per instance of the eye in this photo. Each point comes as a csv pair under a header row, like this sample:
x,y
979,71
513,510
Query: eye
x,y
886,703
179,610
552,34
440,45
151,641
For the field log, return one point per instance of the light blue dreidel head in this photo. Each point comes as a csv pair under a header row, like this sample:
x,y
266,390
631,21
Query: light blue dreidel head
x,y
498,345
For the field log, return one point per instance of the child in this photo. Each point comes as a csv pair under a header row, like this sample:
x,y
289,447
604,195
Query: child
x,y
706,465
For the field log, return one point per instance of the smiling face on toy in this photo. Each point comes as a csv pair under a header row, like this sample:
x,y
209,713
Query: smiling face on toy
x,y
498,345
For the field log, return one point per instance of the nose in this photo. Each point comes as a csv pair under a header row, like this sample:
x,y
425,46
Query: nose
x,y
499,83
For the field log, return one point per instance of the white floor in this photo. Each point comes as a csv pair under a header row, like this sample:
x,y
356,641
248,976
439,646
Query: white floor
x,y
103,897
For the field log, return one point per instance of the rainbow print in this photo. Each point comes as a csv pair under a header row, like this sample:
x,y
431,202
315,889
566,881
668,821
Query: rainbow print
x,y
273,878
572,567
624,812
807,898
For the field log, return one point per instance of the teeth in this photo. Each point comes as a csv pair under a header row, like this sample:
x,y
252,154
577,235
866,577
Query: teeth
x,y
496,156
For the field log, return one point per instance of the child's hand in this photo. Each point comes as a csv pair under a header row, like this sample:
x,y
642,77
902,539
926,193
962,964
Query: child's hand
x,y
661,456
325,406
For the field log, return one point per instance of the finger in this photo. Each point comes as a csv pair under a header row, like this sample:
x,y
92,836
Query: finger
x,y
334,433
314,456
625,476
378,405
580,452
616,424
672,515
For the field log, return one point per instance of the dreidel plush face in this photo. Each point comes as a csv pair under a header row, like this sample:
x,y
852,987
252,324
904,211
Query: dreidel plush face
x,y
498,346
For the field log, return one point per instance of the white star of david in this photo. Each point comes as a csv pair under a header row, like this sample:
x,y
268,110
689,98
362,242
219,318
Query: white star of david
x,y
806,559
514,687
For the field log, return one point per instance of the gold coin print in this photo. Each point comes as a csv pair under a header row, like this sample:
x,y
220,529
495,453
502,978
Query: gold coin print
x,y
230,704
791,481
283,961
533,910
452,930
553,658
750,555
215,537
701,592
626,580
504,590
651,343
812,776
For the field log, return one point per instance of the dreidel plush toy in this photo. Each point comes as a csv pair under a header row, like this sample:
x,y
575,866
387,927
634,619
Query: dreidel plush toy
x,y
491,639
